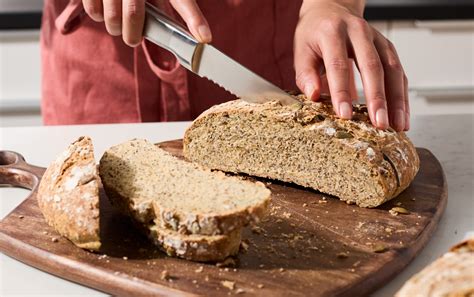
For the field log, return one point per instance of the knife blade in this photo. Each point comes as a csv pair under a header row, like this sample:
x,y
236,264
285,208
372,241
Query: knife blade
x,y
208,62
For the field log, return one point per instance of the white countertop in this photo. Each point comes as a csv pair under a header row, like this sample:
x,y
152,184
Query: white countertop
x,y
449,137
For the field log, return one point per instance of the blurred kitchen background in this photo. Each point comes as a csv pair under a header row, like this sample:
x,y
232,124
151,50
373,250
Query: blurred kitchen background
x,y
434,38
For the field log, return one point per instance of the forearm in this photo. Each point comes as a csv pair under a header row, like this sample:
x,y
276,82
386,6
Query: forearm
x,y
355,6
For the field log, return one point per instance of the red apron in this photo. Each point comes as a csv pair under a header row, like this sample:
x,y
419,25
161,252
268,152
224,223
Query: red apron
x,y
92,77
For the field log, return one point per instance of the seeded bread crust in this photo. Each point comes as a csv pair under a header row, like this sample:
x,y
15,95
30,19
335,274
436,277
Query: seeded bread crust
x,y
68,195
201,248
451,275
284,143
122,170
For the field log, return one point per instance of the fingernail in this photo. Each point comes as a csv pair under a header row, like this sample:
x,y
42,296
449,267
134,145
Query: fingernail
x,y
309,90
399,120
407,121
204,33
345,110
381,118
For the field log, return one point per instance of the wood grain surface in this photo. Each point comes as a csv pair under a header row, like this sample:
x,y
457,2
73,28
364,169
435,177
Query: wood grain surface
x,y
310,245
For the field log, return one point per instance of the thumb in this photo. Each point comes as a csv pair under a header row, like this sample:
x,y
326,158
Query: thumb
x,y
195,20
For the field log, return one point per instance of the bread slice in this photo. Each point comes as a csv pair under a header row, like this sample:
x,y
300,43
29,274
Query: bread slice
x,y
159,189
193,247
305,144
450,275
68,195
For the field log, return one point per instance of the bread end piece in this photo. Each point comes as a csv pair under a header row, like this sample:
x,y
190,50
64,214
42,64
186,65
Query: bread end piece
x,y
68,195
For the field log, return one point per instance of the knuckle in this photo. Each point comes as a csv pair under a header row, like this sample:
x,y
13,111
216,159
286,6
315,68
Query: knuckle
x,y
378,97
133,11
338,64
394,65
112,16
361,25
374,65
332,26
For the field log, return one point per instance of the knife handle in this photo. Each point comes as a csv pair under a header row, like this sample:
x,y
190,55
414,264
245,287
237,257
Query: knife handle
x,y
163,31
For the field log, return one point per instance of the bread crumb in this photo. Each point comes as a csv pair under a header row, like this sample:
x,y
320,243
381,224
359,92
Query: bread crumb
x,y
260,286
398,204
54,239
228,262
194,281
21,216
379,248
261,265
396,210
256,229
388,230
279,221
166,276
322,201
45,232
244,245
125,258
286,214
342,255
199,269
206,278
281,269
228,284
239,291
305,204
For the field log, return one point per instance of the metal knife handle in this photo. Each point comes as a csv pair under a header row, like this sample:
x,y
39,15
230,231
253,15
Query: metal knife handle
x,y
163,31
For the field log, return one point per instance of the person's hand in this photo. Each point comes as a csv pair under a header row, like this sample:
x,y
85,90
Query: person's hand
x,y
127,17
330,32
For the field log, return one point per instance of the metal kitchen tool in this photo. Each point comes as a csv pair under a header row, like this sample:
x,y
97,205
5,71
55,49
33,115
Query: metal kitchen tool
x,y
207,61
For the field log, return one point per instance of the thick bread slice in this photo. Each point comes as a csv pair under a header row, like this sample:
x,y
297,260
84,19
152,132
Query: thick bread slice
x,y
305,144
68,195
451,275
174,194
194,247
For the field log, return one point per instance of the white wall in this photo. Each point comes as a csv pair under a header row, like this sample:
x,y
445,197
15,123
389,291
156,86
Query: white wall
x,y
20,84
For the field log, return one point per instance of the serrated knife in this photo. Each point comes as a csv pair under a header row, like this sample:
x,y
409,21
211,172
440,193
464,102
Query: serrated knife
x,y
207,61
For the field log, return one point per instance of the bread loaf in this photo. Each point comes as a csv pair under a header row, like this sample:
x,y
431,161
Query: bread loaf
x,y
305,144
173,194
452,275
68,195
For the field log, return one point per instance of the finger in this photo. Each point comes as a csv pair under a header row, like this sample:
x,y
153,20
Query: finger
x,y
371,71
407,103
113,16
307,64
133,18
394,83
195,20
94,9
336,62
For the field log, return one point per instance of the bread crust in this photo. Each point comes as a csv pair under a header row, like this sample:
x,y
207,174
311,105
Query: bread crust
x,y
387,152
201,248
450,275
68,195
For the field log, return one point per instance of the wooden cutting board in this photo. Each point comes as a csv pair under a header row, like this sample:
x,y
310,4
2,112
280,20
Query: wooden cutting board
x,y
311,244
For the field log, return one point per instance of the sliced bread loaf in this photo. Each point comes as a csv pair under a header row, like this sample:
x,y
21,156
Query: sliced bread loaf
x,y
159,189
68,195
450,275
305,144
